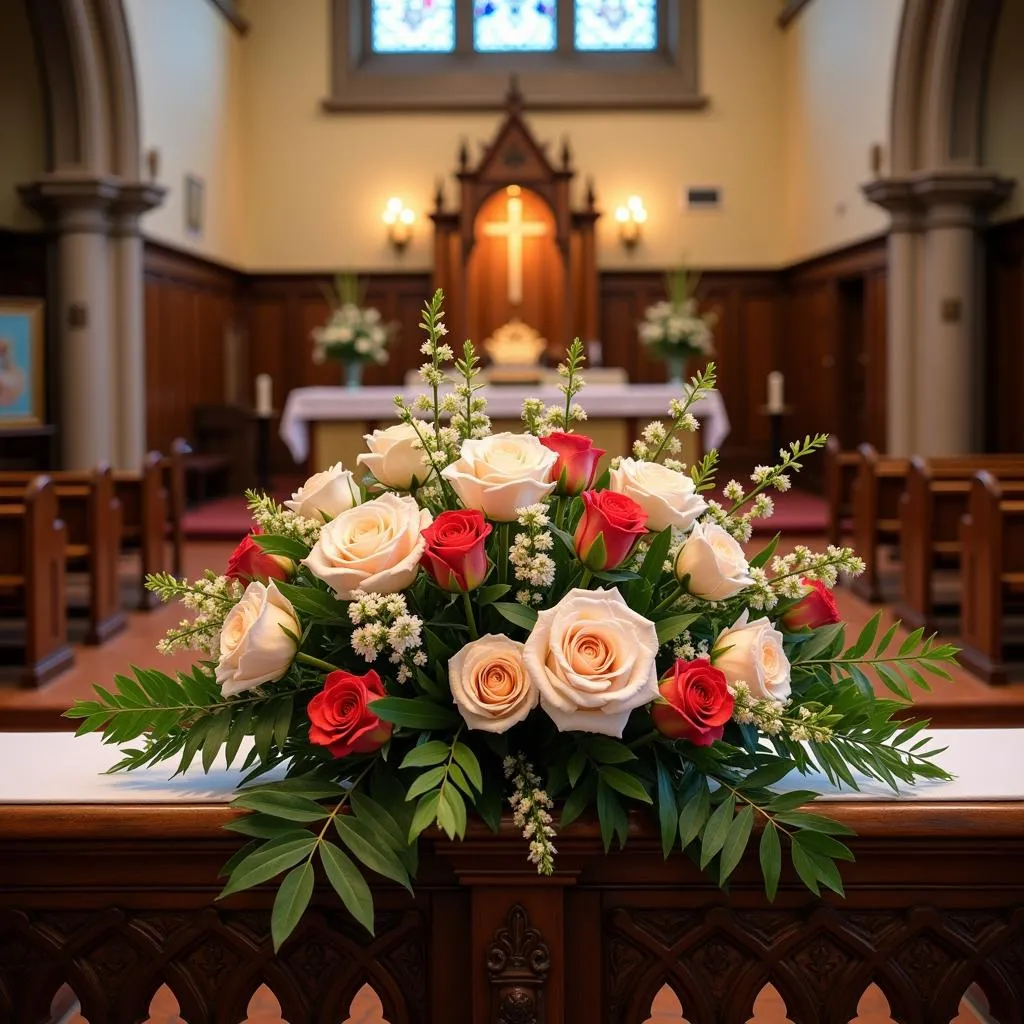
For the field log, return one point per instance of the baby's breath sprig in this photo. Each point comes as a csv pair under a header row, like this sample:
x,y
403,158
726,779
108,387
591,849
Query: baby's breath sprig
x,y
531,811
573,383
436,351
777,476
533,416
682,419
529,554
211,597
281,522
468,416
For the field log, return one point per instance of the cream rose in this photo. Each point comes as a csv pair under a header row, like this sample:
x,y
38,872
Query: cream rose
x,y
396,456
254,647
503,472
592,659
490,685
325,494
374,547
752,653
715,563
668,497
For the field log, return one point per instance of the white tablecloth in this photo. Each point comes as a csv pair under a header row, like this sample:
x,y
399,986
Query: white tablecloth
x,y
58,768
620,401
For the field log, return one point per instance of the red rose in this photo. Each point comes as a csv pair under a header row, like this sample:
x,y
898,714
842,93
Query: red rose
x,y
698,703
341,716
456,551
576,467
250,562
608,529
815,609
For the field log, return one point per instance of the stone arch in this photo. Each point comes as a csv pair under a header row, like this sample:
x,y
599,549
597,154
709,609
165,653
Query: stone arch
x,y
91,198
938,195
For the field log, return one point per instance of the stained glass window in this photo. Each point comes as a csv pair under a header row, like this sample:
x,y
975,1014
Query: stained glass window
x,y
507,25
616,24
412,26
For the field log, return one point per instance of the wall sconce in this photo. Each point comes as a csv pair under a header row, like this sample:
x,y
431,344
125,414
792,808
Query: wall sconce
x,y
398,218
630,217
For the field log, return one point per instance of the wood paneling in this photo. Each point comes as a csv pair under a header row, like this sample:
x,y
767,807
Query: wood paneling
x,y
1003,398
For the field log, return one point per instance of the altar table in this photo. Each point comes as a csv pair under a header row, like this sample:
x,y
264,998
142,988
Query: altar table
x,y
325,424
108,884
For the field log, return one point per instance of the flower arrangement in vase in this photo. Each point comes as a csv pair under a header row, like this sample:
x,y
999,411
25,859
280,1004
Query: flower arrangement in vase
x,y
473,621
674,329
353,334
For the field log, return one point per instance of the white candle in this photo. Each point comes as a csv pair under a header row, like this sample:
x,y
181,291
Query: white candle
x,y
264,395
776,385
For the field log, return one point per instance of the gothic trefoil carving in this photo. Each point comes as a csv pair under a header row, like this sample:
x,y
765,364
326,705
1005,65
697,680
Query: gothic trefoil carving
x,y
518,962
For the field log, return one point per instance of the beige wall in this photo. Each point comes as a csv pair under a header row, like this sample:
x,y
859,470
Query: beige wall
x,y
1003,143
316,183
188,63
22,116
839,61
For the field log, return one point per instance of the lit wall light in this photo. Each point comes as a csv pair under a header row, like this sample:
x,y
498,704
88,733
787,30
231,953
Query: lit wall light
x,y
630,217
399,219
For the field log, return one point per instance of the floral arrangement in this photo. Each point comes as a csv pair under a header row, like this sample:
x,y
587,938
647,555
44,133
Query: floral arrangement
x,y
674,329
352,334
473,621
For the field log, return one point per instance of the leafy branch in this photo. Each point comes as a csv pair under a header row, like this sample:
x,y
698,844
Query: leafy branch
x,y
697,388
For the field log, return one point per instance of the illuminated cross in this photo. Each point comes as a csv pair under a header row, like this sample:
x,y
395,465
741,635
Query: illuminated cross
x,y
515,229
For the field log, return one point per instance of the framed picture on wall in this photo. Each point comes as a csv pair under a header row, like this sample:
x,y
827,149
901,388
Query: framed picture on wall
x,y
21,363
193,204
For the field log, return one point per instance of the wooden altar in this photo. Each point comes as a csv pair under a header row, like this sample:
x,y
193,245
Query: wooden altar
x,y
515,248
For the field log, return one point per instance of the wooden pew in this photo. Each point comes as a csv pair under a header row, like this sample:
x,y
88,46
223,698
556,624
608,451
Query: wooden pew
x,y
88,505
876,508
32,566
992,539
840,474
174,485
144,519
935,498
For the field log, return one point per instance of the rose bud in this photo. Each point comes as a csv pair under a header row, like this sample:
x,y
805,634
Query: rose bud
x,y
815,609
576,468
250,562
697,703
341,715
608,529
456,551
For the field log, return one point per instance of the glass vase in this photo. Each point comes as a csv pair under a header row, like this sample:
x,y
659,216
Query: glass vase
x,y
676,366
352,373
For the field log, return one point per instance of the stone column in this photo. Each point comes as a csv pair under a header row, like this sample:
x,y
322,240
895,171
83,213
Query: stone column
x,y
128,323
77,209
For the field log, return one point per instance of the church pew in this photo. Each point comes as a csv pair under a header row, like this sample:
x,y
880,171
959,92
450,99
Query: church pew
x,y
840,474
32,567
878,486
88,505
173,466
144,519
935,498
992,561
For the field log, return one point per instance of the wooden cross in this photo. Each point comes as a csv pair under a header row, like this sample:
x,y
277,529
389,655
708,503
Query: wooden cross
x,y
514,230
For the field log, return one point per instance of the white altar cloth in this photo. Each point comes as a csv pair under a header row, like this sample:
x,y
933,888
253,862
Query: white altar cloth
x,y
331,404
58,768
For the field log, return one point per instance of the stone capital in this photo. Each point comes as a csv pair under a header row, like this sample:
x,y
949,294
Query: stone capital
x,y
72,204
133,200
951,197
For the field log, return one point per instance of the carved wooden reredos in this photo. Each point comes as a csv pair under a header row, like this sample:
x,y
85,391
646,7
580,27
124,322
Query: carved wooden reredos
x,y
558,295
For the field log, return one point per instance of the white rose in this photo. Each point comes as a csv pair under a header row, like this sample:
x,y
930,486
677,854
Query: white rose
x,y
325,494
396,456
715,563
752,653
374,547
503,472
592,659
254,647
668,497
490,685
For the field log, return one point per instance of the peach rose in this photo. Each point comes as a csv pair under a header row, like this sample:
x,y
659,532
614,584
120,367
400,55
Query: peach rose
x,y
325,494
255,646
374,547
592,659
490,685
503,472
752,653
667,496
714,562
396,455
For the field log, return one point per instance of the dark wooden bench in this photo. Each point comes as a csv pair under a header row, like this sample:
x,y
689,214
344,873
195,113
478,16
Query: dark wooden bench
x,y
144,519
32,567
878,487
88,504
840,474
935,499
992,562
173,466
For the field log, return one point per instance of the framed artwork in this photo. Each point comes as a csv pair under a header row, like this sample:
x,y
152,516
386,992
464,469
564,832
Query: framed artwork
x,y
193,204
21,363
